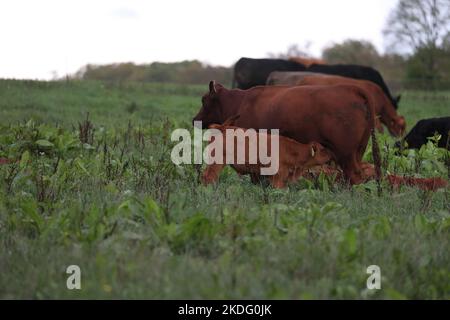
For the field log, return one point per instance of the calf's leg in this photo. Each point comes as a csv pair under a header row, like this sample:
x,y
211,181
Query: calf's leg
x,y
279,180
211,173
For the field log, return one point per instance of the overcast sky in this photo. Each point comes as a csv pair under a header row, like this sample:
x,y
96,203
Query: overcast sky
x,y
40,37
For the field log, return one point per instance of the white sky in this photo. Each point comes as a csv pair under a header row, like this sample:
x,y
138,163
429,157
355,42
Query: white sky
x,y
39,37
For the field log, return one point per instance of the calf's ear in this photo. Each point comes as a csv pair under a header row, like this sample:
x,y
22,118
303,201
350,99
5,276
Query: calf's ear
x,y
397,99
230,121
215,126
212,87
313,149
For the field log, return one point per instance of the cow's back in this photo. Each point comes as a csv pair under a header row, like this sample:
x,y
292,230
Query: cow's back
x,y
290,78
249,72
381,101
355,72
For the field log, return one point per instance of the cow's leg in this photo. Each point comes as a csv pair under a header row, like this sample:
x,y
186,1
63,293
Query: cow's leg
x,y
378,125
296,174
361,149
256,178
278,181
211,173
352,169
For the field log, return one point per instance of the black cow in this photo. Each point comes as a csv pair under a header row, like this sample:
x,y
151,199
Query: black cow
x,y
249,72
428,128
355,72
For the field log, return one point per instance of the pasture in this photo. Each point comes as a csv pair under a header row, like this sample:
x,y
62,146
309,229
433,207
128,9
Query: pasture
x,y
103,194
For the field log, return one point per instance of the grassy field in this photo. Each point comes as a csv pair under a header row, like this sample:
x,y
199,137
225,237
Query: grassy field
x,y
105,196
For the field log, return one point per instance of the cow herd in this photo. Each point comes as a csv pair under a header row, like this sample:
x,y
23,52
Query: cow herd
x,y
331,110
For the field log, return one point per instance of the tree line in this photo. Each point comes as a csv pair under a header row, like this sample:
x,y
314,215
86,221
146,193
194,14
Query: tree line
x,y
186,72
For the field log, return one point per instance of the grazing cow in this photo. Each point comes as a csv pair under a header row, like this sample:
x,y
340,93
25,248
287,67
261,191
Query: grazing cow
x,y
289,78
383,106
427,184
293,157
356,72
249,73
341,117
428,128
307,61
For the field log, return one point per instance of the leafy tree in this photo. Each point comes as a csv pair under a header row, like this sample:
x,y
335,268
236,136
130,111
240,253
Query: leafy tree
x,y
421,26
352,52
419,75
363,52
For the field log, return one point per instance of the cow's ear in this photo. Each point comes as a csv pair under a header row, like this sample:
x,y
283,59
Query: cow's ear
x,y
212,88
397,99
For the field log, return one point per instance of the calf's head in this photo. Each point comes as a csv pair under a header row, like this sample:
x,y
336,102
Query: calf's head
x,y
210,111
318,155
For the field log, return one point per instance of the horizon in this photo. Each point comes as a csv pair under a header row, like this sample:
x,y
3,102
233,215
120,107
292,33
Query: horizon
x,y
52,39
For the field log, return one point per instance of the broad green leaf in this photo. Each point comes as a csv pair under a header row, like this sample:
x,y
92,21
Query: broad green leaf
x,y
44,143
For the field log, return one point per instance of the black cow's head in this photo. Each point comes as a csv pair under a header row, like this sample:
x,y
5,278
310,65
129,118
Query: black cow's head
x,y
417,136
210,111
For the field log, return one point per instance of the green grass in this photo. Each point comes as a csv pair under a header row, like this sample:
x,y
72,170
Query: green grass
x,y
140,227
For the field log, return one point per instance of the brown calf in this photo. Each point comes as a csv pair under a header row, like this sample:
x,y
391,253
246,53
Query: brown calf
x,y
293,157
427,184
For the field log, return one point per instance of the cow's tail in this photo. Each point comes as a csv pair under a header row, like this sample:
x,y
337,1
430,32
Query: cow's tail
x,y
372,125
376,158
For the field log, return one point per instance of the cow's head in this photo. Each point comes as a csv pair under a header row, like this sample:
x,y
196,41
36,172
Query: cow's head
x,y
210,111
397,126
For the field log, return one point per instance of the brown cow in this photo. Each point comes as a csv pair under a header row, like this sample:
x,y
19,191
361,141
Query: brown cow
x,y
427,184
395,123
307,61
293,157
288,78
341,117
